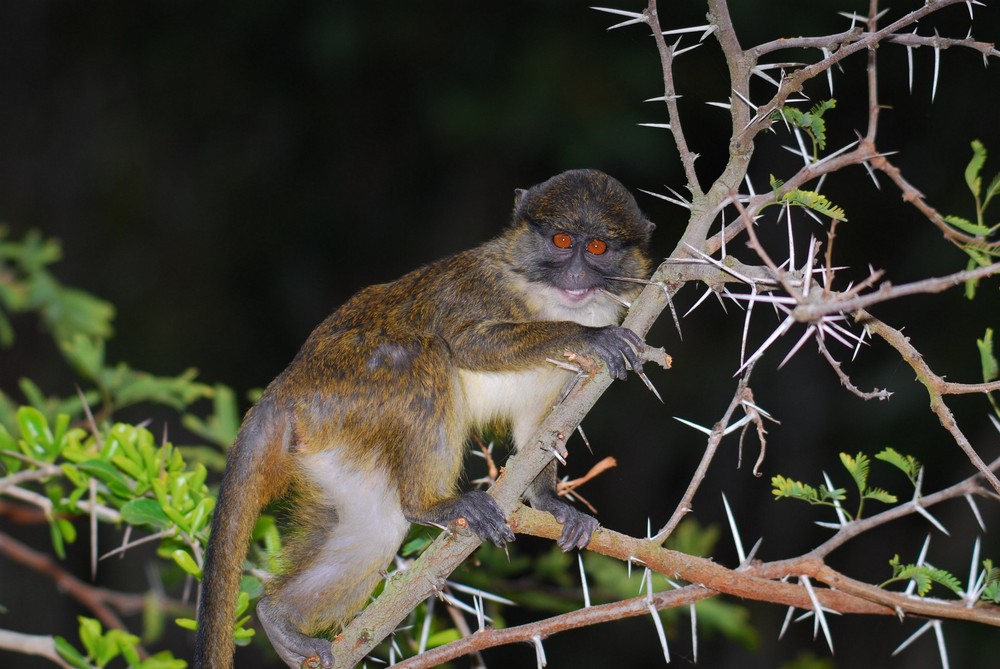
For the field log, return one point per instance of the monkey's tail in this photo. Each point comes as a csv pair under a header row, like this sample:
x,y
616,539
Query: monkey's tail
x,y
254,476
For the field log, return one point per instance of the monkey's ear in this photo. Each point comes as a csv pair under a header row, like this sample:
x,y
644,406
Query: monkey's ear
x,y
518,196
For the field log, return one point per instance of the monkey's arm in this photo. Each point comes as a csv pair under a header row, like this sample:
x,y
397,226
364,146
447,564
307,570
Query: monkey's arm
x,y
502,346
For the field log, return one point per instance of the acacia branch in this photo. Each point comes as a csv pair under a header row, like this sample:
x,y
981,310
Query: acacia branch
x,y
934,385
670,98
686,505
757,582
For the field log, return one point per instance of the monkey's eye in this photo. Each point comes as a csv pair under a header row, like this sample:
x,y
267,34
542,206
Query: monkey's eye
x,y
562,240
597,246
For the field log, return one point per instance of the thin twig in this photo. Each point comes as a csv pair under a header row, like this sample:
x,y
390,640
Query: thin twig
x,y
933,383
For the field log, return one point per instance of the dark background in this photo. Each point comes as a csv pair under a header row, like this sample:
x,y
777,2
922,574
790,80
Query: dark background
x,y
227,173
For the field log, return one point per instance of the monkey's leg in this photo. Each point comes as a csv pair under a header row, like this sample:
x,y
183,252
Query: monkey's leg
x,y
348,525
577,525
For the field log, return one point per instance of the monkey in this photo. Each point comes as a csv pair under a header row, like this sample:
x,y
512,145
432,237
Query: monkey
x,y
365,430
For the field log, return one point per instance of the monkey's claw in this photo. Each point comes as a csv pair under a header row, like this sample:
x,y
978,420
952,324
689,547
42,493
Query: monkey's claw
x,y
484,516
577,525
618,347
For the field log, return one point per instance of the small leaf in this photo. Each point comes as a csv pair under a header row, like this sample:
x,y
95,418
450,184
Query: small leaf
x,y
108,475
992,190
187,623
144,511
908,464
70,654
784,487
972,178
186,562
991,368
967,226
858,468
880,495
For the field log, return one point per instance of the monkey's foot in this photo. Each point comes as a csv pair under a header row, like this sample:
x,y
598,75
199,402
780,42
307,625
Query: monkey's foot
x,y
577,525
480,511
297,650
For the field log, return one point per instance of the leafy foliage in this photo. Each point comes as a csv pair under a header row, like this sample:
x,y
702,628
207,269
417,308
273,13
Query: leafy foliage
x,y
81,325
983,250
808,199
811,122
991,586
858,466
102,647
924,576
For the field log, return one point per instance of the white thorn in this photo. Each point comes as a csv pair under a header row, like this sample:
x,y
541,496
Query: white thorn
x,y
701,429
841,516
913,637
539,651
740,553
909,64
937,67
829,70
975,511
818,611
583,582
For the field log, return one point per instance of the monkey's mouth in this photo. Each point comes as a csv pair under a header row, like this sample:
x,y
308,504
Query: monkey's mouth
x,y
577,296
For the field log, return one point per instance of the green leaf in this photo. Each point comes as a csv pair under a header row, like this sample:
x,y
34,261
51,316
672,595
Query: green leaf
x,y
85,353
186,562
58,546
144,511
36,433
858,468
908,464
187,623
90,634
991,368
992,190
73,312
70,654
784,487
162,660
221,426
813,200
967,226
108,475
880,495
924,576
972,178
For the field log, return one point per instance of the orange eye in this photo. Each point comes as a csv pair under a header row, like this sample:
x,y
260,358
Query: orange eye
x,y
597,246
562,240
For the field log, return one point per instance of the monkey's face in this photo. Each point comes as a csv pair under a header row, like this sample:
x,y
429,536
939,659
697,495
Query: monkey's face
x,y
577,232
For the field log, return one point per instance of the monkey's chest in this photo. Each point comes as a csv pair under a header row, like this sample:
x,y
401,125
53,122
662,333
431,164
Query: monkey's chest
x,y
523,398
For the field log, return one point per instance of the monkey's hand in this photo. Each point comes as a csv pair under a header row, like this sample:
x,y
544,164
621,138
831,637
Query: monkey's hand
x,y
616,346
577,525
479,510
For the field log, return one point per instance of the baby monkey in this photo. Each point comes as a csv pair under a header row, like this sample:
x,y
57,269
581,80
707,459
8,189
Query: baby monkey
x,y
365,430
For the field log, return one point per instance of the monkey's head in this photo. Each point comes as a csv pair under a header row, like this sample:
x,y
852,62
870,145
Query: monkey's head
x,y
577,231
